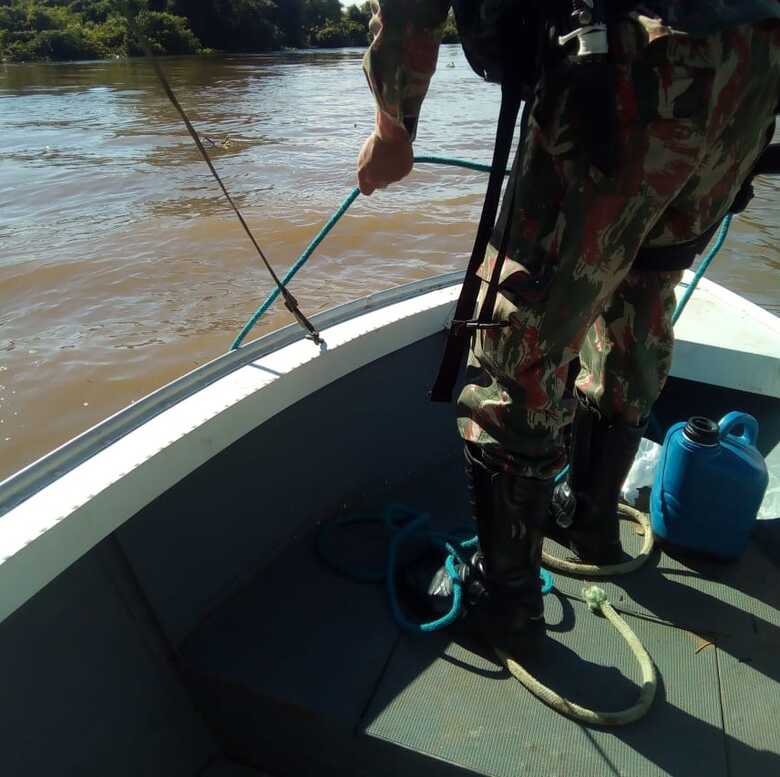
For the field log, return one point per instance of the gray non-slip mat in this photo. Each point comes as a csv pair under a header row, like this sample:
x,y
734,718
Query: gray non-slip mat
x,y
749,667
305,673
301,634
283,671
707,596
452,703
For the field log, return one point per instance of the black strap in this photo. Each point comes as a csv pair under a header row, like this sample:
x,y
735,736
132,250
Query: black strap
x,y
769,162
501,235
462,324
681,256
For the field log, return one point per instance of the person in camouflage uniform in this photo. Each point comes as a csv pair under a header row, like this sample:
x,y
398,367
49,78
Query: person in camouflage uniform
x,y
696,88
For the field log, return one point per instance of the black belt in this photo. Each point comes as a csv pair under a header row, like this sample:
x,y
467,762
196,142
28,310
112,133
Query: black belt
x,y
681,256
675,257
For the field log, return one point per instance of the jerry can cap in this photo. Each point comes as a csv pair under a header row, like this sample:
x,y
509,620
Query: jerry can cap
x,y
702,430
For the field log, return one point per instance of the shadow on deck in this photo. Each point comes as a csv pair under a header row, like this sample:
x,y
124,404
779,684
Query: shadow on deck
x,y
303,673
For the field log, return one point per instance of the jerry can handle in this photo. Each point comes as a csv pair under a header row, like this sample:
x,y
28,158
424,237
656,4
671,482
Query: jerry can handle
x,y
736,419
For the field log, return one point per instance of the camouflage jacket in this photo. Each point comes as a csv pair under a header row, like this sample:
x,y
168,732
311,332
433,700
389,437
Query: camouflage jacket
x,y
402,57
703,17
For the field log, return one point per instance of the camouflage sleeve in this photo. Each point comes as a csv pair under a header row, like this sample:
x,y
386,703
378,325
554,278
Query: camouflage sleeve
x,y
402,57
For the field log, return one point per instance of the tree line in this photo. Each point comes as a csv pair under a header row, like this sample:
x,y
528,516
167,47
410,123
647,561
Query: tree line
x,y
97,29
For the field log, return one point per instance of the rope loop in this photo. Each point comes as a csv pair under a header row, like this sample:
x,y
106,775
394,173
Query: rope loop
x,y
579,569
402,525
648,684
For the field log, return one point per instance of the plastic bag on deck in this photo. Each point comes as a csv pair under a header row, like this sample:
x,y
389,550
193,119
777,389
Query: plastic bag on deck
x,y
642,471
770,507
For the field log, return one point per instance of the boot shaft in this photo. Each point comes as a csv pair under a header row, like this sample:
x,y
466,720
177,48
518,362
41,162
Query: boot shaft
x,y
584,511
613,448
510,513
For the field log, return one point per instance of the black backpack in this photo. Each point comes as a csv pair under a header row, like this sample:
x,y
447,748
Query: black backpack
x,y
500,39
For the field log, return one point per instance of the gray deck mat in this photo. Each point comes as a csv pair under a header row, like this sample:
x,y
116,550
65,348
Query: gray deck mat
x,y
450,702
287,637
303,655
749,668
708,596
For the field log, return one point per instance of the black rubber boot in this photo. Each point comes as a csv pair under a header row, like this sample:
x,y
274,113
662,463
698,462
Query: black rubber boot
x,y
502,589
583,514
509,511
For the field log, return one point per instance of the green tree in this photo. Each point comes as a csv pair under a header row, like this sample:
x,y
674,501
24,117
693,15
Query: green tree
x,y
41,18
111,36
317,13
289,20
96,11
341,33
165,33
359,14
232,25
450,30
13,18
88,29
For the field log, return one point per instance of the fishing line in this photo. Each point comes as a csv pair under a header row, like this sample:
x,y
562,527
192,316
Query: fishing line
x,y
289,300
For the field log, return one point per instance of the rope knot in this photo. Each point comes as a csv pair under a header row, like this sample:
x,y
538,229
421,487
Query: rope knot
x,y
595,597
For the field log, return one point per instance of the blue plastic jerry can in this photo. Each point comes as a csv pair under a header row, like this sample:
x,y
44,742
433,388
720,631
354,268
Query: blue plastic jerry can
x,y
709,485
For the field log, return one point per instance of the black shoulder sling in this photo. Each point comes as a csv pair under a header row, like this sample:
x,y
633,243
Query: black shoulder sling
x,y
502,44
463,324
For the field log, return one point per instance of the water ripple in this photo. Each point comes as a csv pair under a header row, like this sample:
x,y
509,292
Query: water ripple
x,y
121,266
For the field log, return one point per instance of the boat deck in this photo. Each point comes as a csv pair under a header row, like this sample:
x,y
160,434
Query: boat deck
x,y
304,672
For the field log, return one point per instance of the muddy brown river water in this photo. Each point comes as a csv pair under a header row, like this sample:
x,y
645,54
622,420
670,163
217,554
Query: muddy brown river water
x,y
121,267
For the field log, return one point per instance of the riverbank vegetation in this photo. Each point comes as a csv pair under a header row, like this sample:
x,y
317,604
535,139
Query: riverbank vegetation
x,y
97,29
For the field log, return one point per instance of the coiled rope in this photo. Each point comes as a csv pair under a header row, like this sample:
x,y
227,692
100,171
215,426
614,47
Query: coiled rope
x,y
596,599
598,603
403,524
579,569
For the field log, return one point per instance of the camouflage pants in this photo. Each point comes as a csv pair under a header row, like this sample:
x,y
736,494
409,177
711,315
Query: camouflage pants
x,y
693,114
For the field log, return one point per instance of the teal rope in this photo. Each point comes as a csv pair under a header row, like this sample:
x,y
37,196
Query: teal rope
x,y
300,261
705,263
404,524
448,162
416,526
323,233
